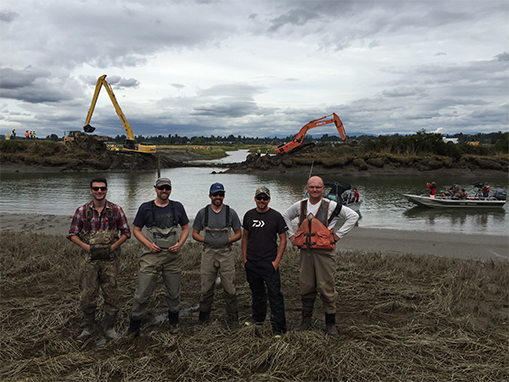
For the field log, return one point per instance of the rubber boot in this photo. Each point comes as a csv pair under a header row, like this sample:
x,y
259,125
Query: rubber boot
x,y
204,317
173,318
134,328
233,320
306,322
109,327
89,320
308,302
330,324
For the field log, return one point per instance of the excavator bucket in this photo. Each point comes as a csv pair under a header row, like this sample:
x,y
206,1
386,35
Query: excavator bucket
x,y
88,129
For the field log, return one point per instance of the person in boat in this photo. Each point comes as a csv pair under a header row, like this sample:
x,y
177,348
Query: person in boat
x,y
356,196
316,237
452,191
485,190
460,195
346,196
432,189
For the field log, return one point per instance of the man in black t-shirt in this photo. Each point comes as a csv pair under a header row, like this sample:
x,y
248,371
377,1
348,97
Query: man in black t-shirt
x,y
262,226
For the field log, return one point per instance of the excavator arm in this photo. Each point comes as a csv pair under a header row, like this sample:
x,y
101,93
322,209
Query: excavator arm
x,y
299,138
101,81
130,143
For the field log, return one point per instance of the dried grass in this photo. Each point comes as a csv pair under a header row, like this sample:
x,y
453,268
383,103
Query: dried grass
x,y
400,318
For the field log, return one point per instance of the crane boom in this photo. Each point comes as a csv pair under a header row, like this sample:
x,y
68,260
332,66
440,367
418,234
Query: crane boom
x,y
130,143
299,138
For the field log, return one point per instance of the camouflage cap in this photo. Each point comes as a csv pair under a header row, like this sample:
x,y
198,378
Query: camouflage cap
x,y
262,190
162,182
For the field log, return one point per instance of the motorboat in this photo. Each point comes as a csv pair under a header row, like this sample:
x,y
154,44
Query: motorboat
x,y
340,192
497,200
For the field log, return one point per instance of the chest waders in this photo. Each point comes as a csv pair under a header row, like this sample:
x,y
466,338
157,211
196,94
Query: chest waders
x,y
100,241
217,238
313,231
163,237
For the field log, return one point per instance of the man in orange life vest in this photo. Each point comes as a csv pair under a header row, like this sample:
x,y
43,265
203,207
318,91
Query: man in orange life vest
x,y
316,239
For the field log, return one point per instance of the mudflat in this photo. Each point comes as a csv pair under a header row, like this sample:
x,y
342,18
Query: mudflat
x,y
386,241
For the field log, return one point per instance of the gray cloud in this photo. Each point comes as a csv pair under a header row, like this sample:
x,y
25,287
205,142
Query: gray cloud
x,y
503,56
374,44
259,68
404,91
294,17
15,79
121,83
31,85
8,16
232,90
227,108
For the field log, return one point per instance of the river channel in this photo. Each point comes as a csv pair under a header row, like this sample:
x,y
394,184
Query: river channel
x,y
383,204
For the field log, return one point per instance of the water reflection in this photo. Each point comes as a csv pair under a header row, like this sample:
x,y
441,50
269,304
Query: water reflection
x,y
383,203
482,220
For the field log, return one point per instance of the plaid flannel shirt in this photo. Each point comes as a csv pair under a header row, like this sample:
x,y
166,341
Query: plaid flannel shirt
x,y
99,222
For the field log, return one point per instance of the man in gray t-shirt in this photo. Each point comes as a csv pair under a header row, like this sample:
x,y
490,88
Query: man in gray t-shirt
x,y
217,221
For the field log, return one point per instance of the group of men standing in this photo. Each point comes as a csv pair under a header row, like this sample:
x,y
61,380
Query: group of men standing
x,y
28,134
100,227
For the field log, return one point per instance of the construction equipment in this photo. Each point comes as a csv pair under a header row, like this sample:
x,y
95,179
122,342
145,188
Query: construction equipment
x,y
130,143
299,138
78,139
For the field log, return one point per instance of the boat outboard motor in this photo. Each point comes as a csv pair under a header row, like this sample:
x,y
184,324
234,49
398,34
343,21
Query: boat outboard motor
x,y
500,194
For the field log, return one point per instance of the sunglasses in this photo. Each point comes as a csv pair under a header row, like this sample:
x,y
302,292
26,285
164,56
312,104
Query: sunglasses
x,y
220,194
161,188
261,197
99,188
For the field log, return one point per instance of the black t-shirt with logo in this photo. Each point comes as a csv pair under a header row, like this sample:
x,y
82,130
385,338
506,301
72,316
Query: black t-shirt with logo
x,y
263,231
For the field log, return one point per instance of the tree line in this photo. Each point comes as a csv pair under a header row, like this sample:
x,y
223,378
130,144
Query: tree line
x,y
422,142
396,143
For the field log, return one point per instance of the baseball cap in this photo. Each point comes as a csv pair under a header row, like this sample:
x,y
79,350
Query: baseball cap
x,y
216,187
162,182
262,190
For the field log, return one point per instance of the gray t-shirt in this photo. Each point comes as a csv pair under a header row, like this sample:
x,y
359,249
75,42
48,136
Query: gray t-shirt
x,y
216,220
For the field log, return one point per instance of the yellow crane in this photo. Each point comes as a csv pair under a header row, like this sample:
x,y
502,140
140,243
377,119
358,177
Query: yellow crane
x,y
130,143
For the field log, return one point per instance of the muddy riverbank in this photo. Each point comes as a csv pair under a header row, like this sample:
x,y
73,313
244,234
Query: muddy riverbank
x,y
481,247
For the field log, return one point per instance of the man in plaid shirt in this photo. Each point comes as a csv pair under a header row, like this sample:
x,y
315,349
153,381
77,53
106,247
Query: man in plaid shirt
x,y
95,228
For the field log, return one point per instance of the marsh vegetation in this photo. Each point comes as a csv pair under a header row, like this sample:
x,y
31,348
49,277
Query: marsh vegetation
x,y
400,317
420,152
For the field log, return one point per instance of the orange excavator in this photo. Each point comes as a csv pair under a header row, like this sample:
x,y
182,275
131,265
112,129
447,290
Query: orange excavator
x,y
299,138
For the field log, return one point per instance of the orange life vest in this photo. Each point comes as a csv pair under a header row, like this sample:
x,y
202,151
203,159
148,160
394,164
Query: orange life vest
x,y
314,233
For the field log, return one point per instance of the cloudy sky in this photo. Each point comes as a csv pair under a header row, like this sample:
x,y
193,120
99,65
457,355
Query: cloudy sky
x,y
255,68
